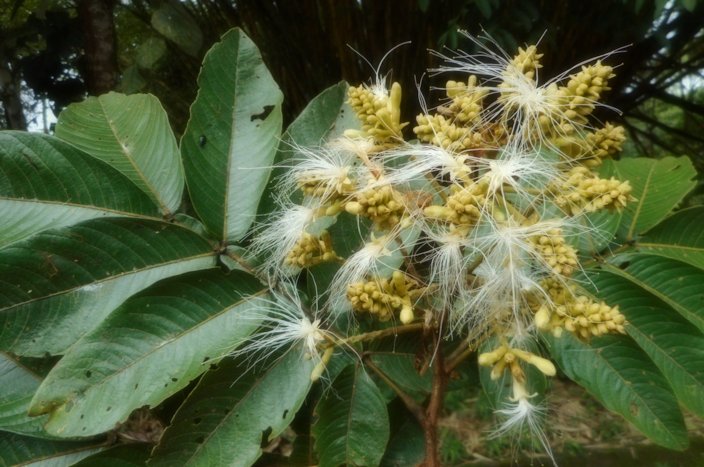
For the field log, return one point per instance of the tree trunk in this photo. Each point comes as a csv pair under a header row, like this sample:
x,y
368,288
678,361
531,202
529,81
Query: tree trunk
x,y
10,96
100,45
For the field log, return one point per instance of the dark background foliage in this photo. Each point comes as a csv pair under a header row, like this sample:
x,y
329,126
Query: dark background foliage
x,y
62,50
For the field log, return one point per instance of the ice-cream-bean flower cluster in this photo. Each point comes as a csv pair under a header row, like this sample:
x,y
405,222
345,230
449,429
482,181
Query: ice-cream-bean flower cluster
x,y
469,226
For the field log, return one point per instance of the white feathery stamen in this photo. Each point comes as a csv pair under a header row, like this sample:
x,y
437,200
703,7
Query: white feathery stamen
x,y
277,237
325,167
420,160
448,264
283,325
363,263
520,414
526,99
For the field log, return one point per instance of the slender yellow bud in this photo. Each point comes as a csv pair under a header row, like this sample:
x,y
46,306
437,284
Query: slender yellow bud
x,y
333,209
406,316
498,370
542,364
542,318
322,364
489,358
353,207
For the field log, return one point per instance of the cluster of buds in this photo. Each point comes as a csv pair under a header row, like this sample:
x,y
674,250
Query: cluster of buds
x,y
557,253
504,358
385,297
469,221
310,250
463,206
485,222
383,205
379,111
577,313
585,191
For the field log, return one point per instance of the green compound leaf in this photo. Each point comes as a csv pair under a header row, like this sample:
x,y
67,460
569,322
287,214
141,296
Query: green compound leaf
x,y
46,183
353,425
61,283
400,368
324,116
150,52
132,134
675,346
230,415
19,450
623,378
173,21
680,237
407,442
659,185
232,135
146,350
17,385
677,284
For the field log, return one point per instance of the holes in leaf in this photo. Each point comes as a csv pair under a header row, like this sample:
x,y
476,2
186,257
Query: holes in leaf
x,y
265,437
285,413
108,409
205,359
197,420
262,116
213,366
136,385
200,439
89,373
81,417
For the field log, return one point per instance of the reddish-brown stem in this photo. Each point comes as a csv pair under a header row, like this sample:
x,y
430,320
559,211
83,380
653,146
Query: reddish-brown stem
x,y
432,411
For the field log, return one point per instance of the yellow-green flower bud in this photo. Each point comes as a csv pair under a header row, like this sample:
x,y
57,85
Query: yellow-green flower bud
x,y
322,364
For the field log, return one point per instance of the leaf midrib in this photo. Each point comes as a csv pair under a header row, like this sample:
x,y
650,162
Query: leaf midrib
x,y
108,279
630,389
82,206
661,350
653,291
671,246
167,343
349,414
674,362
230,144
641,201
130,159
227,417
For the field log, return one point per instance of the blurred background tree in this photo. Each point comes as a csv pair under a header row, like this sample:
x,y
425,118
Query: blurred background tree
x,y
54,52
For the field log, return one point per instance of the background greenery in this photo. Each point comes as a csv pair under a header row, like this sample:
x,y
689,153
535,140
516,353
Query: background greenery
x,y
156,46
